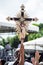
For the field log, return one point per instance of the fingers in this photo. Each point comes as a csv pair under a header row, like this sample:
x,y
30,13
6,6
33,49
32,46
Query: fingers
x,y
33,60
37,56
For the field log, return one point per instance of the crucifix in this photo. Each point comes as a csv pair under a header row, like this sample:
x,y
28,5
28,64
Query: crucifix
x,y
21,27
22,20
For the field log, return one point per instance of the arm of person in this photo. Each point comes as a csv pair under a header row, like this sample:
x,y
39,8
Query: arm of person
x,y
35,60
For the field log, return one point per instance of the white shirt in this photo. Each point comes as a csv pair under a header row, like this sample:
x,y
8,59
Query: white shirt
x,y
25,63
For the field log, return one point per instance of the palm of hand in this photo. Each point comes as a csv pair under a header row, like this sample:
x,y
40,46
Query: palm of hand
x,y
37,56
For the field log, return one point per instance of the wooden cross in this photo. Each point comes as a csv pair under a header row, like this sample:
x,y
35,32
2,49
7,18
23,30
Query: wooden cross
x,y
21,60
22,19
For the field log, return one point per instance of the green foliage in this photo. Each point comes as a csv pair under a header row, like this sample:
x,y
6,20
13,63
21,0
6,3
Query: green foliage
x,y
33,36
35,24
41,29
26,38
3,42
41,26
14,41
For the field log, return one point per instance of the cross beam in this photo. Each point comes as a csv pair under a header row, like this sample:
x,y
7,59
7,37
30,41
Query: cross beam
x,y
22,19
21,29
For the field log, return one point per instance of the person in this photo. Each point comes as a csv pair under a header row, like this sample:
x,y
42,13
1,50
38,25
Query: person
x,y
20,58
20,54
7,52
35,60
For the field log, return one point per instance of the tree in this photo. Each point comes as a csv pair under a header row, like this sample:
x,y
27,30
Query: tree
x,y
14,41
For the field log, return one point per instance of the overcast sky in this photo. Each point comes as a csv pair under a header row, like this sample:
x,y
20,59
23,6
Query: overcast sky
x,y
34,8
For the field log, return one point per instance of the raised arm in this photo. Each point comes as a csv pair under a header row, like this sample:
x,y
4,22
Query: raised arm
x,y
35,60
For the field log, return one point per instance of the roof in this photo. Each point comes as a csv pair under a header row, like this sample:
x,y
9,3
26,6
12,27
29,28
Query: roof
x,y
10,27
34,44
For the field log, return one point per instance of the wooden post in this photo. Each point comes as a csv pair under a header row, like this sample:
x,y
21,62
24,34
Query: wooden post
x,y
22,30
21,60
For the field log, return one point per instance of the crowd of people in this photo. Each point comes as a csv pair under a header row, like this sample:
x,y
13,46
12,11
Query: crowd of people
x,y
16,57
34,60
21,61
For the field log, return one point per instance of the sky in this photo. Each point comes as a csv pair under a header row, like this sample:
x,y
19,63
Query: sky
x,y
34,8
